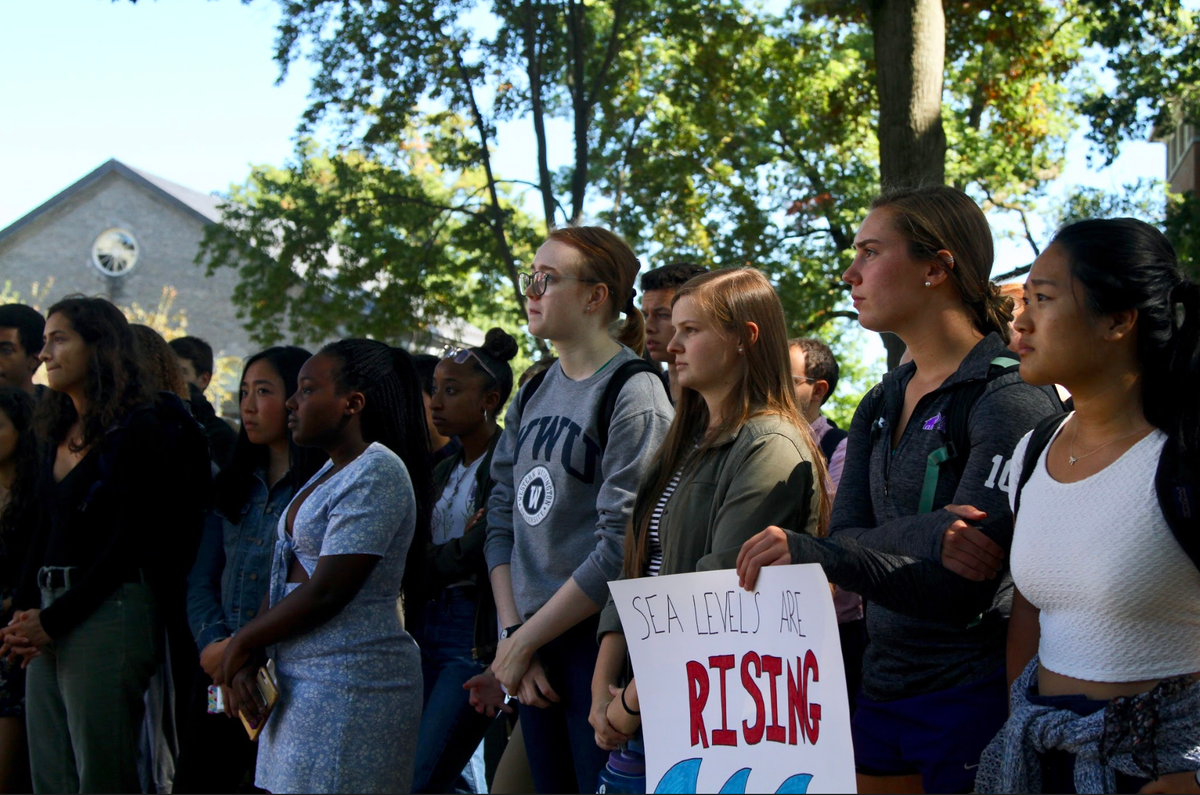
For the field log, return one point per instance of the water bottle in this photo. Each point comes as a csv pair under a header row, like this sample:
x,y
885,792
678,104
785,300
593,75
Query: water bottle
x,y
625,772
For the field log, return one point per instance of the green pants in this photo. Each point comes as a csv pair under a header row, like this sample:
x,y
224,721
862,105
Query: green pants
x,y
83,696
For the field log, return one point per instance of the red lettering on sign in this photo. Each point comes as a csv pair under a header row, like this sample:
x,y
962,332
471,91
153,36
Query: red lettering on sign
x,y
697,698
753,735
723,735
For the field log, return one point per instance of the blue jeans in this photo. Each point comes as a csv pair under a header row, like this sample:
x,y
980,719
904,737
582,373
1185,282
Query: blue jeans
x,y
559,741
449,749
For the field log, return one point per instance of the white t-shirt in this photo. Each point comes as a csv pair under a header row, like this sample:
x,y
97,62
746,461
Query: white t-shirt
x,y
453,508
1119,598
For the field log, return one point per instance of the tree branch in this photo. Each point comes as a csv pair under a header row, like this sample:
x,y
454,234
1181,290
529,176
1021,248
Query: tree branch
x,y
497,213
1014,273
1037,252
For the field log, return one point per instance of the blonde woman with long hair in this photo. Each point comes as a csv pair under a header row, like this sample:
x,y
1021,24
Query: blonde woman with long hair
x,y
738,454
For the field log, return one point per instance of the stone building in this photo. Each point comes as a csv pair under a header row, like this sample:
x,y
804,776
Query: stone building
x,y
124,234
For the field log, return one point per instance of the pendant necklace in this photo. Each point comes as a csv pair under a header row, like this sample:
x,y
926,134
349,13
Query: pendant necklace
x,y
1072,458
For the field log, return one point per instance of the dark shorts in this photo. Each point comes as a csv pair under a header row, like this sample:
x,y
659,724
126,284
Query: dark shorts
x,y
938,735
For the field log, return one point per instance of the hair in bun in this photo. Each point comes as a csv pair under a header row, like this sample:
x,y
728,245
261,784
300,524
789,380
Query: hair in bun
x,y
497,350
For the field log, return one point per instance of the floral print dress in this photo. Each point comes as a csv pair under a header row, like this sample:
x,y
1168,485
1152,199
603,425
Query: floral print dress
x,y
350,690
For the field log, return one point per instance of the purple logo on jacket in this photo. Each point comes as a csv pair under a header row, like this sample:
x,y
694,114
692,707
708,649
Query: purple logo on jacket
x,y
935,423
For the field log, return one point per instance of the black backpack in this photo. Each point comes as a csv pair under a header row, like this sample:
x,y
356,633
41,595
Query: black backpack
x,y
608,405
1175,482
958,440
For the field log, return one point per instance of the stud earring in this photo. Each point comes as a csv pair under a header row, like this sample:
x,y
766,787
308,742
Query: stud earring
x,y
927,284
740,350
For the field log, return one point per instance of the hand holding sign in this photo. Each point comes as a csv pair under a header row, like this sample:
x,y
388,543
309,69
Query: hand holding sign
x,y
767,548
739,690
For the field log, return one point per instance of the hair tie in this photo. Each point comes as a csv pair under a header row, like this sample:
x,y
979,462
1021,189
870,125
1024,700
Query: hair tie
x,y
629,307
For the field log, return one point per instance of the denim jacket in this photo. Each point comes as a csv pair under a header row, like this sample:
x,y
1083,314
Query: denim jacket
x,y
233,566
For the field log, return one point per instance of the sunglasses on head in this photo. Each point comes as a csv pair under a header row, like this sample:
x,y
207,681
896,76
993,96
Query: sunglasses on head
x,y
460,356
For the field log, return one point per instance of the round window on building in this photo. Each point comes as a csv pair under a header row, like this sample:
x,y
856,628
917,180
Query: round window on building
x,y
115,252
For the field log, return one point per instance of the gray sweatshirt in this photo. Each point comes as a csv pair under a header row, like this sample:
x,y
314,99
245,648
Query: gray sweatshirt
x,y
561,504
929,629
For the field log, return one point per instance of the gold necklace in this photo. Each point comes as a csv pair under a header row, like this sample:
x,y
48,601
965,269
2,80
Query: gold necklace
x,y
1072,458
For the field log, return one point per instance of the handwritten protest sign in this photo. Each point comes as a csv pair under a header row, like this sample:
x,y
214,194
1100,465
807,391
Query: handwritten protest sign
x,y
740,691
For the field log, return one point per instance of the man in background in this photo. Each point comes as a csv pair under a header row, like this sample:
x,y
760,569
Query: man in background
x,y
195,358
815,375
658,290
21,329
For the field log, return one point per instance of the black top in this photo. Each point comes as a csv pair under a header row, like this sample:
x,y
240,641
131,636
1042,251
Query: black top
x,y
109,527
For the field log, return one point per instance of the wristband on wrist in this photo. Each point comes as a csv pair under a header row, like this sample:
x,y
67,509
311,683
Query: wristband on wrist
x,y
509,631
625,706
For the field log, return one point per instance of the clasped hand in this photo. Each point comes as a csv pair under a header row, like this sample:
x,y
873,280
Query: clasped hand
x,y
966,550
24,637
519,670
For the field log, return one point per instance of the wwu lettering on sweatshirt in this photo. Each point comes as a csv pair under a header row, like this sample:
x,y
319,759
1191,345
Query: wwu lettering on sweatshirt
x,y
555,438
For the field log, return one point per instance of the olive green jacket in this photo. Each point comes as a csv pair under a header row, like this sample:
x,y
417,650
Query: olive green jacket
x,y
763,475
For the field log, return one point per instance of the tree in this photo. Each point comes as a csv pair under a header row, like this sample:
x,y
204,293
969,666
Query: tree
x,y
343,244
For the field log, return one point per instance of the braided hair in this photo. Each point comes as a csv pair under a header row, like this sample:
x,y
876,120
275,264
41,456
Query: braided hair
x,y
394,416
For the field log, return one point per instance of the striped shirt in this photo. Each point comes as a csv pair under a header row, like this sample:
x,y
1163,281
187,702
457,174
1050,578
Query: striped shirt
x,y
656,552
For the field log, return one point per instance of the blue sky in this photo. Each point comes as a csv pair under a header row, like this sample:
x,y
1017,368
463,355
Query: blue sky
x,y
186,89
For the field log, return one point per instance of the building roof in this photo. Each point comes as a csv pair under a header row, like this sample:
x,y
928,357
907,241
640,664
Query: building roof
x,y
203,206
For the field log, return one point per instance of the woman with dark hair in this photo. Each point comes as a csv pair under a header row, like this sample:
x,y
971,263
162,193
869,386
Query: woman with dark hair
x,y
565,479
349,675
1104,641
86,621
453,616
232,572
937,433
18,507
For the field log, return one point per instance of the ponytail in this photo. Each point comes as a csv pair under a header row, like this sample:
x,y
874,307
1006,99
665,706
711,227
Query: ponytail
x,y
995,312
632,333
1184,366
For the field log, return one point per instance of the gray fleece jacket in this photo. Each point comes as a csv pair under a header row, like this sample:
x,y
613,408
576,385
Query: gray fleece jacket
x,y
929,629
561,504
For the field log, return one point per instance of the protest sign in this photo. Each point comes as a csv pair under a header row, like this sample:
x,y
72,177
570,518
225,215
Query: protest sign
x,y
740,691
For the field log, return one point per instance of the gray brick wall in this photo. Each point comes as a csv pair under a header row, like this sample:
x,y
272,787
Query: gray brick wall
x,y
59,244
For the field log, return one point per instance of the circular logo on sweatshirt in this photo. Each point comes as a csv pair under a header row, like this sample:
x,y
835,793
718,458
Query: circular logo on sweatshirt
x,y
535,495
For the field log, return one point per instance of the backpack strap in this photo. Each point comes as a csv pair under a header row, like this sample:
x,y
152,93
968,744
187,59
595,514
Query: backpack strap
x,y
830,441
608,405
958,438
1043,432
531,386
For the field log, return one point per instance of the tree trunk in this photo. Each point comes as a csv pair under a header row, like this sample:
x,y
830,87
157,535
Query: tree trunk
x,y
910,54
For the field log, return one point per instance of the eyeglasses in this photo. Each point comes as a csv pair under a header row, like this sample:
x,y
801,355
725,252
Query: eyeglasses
x,y
537,281
460,356
797,380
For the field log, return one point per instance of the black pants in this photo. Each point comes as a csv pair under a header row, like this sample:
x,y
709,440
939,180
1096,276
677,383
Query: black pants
x,y
216,755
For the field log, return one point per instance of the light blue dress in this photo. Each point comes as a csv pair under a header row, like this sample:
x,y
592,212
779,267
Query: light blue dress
x,y
350,690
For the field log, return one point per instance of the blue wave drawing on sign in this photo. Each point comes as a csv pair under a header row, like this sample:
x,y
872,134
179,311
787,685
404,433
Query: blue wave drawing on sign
x,y
681,778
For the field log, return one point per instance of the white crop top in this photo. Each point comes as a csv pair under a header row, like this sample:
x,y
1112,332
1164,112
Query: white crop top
x,y
1119,598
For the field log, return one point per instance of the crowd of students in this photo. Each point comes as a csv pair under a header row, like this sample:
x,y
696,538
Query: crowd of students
x,y
165,576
